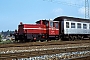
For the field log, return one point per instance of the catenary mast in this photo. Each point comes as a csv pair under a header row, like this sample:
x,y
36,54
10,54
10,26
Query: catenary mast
x,y
87,9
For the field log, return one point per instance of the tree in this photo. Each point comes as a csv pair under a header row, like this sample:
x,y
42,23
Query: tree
x,y
2,31
0,38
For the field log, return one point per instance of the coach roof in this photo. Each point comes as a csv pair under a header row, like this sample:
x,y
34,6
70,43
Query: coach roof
x,y
71,19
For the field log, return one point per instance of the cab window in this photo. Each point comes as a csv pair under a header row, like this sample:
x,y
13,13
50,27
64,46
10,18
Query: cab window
x,y
51,24
46,23
56,25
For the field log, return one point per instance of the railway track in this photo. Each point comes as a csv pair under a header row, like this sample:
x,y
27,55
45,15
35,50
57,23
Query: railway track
x,y
42,43
33,49
82,58
63,52
41,48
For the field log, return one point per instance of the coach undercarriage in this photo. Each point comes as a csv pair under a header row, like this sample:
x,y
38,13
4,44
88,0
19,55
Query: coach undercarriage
x,y
72,37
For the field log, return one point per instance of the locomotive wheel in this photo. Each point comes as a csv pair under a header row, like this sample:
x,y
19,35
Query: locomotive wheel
x,y
34,40
41,40
48,40
27,40
56,38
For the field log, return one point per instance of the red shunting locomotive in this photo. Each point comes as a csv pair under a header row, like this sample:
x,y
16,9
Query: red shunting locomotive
x,y
42,30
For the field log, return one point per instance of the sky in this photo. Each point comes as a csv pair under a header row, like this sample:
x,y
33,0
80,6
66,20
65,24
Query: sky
x,y
12,12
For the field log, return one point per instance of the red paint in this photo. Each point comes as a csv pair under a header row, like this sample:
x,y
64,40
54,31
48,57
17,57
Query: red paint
x,y
38,28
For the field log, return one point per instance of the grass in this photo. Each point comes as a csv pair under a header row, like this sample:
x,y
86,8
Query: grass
x,y
6,42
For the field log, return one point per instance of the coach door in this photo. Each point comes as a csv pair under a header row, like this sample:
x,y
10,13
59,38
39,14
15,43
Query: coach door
x,y
56,28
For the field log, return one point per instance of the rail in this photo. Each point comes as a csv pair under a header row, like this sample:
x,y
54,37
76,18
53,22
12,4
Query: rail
x,y
66,53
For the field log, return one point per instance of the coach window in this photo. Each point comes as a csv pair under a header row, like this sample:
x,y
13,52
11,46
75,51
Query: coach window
x,y
51,23
84,26
78,25
67,24
89,26
72,25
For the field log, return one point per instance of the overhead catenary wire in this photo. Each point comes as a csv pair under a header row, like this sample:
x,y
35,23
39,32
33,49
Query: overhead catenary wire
x,y
87,10
65,3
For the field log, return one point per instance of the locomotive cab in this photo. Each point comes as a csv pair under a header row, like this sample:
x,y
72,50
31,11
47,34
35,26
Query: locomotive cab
x,y
53,29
